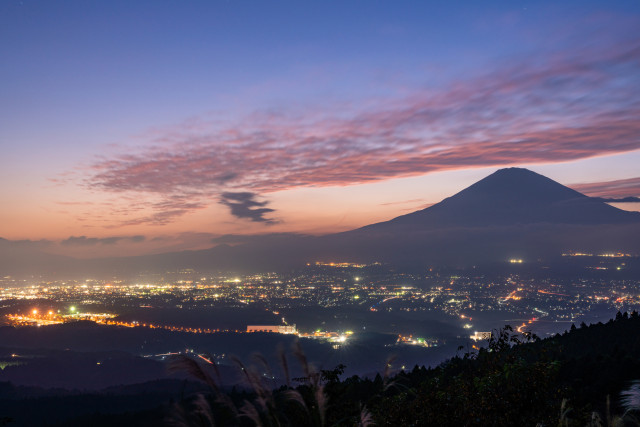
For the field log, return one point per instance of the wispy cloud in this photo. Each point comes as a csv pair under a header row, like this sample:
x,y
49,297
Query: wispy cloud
x,y
164,210
92,241
630,199
567,106
26,243
236,239
244,205
402,202
618,189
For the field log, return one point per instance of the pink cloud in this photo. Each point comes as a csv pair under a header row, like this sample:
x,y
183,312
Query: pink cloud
x,y
617,189
564,107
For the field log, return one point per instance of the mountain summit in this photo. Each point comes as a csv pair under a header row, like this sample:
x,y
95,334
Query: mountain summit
x,y
513,196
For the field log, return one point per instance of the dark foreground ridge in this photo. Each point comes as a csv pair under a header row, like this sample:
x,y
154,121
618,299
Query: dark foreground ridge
x,y
569,379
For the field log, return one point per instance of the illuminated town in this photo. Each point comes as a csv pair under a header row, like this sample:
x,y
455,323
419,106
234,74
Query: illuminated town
x,y
540,304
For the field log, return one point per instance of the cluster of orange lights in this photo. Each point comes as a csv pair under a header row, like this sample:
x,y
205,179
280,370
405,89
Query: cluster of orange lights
x,y
52,318
605,255
135,324
524,325
339,264
34,317
513,296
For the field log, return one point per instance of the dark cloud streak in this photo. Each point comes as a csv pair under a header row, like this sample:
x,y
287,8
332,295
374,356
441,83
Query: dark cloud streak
x,y
92,241
618,189
619,200
244,206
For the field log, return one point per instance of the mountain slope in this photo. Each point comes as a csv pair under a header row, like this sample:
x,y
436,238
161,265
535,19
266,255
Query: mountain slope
x,y
508,197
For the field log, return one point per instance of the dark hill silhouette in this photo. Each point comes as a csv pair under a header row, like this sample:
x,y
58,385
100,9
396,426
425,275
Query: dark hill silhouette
x,y
509,197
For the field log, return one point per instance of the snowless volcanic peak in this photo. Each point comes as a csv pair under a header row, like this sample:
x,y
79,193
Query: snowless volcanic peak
x,y
515,196
518,185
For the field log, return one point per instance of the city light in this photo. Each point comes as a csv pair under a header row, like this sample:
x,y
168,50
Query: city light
x,y
540,301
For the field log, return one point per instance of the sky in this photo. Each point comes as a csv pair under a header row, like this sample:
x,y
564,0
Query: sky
x,y
150,126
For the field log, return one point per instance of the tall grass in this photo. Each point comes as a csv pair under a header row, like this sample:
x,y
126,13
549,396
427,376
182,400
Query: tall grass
x,y
627,419
266,405
630,398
